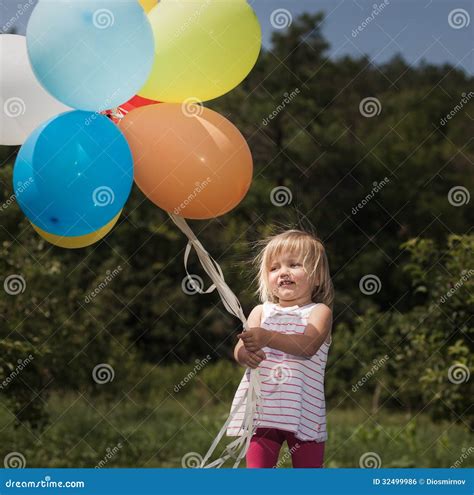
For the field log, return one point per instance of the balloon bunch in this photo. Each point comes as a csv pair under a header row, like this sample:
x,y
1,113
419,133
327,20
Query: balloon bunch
x,y
148,65
154,61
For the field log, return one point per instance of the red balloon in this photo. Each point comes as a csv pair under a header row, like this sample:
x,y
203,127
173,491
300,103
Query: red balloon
x,y
117,114
136,102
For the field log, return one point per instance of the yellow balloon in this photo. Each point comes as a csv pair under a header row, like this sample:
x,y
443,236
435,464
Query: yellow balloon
x,y
148,4
203,48
78,241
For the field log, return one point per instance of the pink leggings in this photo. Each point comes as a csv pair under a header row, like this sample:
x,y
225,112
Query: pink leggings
x,y
266,444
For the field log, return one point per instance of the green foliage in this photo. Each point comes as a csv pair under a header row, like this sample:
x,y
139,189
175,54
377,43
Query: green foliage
x,y
329,155
153,428
428,347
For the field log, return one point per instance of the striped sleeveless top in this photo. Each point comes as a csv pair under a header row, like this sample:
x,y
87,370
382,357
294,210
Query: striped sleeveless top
x,y
292,386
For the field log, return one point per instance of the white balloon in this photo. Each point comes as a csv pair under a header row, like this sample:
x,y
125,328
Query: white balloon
x,y
24,104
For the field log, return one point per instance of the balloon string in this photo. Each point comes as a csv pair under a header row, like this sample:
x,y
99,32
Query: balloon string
x,y
117,113
238,448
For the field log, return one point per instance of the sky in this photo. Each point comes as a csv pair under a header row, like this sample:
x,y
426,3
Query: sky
x,y
436,31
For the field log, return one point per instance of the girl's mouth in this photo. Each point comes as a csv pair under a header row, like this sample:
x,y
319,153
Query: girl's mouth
x,y
285,283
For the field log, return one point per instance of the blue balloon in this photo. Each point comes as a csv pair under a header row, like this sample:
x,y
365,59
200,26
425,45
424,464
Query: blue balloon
x,y
73,174
90,54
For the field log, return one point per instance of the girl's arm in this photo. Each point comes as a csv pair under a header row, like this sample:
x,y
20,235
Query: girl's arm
x,y
306,345
243,356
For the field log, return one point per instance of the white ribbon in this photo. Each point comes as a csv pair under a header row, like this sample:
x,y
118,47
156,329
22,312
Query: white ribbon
x,y
238,448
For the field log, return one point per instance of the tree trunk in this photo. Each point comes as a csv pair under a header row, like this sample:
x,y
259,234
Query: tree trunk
x,y
376,397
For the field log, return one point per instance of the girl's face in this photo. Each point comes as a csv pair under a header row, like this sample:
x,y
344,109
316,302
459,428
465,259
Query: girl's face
x,y
288,279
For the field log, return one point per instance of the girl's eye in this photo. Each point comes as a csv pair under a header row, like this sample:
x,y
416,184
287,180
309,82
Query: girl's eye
x,y
296,264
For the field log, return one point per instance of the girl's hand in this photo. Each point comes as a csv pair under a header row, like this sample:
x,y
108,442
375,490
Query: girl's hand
x,y
250,359
255,338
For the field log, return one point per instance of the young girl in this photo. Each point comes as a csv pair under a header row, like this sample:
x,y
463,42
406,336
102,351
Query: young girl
x,y
288,340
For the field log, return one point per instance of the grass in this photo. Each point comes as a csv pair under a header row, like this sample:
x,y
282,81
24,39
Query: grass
x,y
153,425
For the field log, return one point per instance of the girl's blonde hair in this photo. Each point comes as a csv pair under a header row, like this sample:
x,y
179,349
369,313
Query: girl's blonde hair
x,y
315,263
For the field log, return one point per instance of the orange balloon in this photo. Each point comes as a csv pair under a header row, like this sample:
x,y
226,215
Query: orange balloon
x,y
148,4
188,160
